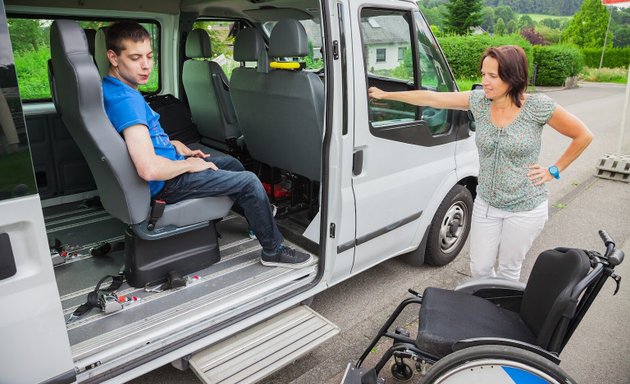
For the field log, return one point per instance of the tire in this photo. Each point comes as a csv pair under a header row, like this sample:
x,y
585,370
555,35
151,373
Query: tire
x,y
450,227
495,364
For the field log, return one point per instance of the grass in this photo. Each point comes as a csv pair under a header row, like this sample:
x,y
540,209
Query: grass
x,y
537,17
605,75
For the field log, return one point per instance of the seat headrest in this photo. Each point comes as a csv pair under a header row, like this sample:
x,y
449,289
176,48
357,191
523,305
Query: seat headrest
x,y
198,44
68,38
288,39
249,45
100,51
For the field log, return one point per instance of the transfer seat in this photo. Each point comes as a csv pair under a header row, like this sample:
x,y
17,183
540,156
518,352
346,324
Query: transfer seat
x,y
183,238
208,92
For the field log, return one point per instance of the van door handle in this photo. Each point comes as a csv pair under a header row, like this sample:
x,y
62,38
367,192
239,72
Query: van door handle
x,y
7,261
357,162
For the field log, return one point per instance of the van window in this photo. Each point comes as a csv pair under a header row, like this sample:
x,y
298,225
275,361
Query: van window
x,y
31,44
387,53
16,168
314,60
222,35
396,61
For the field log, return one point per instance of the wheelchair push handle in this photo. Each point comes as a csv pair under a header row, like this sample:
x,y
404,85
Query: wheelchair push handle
x,y
615,256
606,238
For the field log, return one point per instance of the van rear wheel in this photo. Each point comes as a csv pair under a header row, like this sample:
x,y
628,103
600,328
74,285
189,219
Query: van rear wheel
x,y
450,227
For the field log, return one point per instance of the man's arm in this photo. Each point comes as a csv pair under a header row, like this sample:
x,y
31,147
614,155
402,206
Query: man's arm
x,y
151,167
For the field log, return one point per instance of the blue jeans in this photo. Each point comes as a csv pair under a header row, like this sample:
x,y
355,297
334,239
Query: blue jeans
x,y
231,179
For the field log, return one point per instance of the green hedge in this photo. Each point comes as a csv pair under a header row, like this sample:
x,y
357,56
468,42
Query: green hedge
x,y
554,63
613,57
464,52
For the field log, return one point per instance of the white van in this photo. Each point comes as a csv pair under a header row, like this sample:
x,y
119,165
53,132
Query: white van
x,y
355,181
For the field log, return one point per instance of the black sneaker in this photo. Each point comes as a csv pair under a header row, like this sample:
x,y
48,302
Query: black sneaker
x,y
286,257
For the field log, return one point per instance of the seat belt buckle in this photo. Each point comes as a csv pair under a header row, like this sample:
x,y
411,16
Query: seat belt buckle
x,y
157,210
109,302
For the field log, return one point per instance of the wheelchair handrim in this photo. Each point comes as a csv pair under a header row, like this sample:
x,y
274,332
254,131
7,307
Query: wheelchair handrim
x,y
496,371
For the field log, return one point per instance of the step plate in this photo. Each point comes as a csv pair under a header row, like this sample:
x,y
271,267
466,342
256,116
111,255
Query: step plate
x,y
259,351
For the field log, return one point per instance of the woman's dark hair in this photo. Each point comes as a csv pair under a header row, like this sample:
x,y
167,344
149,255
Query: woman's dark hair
x,y
124,30
513,69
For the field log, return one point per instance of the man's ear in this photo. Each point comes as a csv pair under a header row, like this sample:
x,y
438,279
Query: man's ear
x,y
112,57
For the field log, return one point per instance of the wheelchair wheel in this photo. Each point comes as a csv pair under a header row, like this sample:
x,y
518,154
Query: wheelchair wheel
x,y
496,364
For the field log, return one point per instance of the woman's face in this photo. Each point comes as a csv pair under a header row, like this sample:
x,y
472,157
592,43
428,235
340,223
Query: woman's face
x,y
493,85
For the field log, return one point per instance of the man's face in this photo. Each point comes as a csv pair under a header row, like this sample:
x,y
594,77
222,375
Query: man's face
x,y
133,65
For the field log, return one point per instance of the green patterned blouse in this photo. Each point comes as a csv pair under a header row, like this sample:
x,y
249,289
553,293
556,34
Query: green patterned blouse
x,y
505,154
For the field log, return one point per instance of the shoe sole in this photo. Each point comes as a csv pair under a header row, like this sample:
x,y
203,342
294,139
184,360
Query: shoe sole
x,y
287,265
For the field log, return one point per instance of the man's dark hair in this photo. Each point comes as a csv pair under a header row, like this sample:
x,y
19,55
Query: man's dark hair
x,y
124,30
513,69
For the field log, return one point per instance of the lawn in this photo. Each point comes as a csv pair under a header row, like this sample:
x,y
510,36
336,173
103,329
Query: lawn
x,y
537,17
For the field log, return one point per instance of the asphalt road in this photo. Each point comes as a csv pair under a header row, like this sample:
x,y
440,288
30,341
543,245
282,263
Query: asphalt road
x,y
580,205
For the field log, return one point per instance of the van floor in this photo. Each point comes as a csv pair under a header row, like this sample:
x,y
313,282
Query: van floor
x,y
238,282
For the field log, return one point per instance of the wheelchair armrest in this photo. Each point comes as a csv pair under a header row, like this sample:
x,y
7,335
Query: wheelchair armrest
x,y
509,342
490,284
504,293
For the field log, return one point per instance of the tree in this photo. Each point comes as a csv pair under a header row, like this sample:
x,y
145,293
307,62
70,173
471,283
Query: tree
x,y
463,15
622,37
533,37
504,12
587,28
26,34
499,27
487,19
512,26
526,22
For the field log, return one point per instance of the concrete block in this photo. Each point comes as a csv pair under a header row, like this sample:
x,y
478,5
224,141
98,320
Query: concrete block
x,y
614,166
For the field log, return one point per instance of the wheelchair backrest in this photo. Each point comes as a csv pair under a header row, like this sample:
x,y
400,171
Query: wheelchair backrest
x,y
550,298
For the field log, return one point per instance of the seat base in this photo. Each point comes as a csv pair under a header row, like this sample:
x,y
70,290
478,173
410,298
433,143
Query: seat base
x,y
149,262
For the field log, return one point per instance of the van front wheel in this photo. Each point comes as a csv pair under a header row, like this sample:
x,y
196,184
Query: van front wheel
x,y
450,227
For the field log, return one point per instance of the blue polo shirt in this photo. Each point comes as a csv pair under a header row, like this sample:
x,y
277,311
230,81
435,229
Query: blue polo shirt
x,y
126,107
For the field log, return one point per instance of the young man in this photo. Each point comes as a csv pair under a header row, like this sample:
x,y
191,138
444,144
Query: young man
x,y
174,171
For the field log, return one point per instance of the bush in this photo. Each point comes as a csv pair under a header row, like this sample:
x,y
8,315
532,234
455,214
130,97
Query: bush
x,y
464,52
555,63
613,57
605,75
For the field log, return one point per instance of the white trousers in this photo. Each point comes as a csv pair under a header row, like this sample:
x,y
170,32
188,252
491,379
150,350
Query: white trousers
x,y
508,236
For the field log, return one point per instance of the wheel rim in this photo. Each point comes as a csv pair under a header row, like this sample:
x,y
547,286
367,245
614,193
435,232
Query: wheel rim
x,y
496,371
453,227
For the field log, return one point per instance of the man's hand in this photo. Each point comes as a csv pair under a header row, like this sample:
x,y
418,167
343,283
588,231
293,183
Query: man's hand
x,y
183,150
198,164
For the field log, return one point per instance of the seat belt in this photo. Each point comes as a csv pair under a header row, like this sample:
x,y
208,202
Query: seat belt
x,y
101,298
157,210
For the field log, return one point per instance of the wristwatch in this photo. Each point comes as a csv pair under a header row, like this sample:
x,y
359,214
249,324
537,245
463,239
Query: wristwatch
x,y
555,172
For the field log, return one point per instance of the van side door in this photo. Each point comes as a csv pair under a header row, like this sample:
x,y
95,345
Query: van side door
x,y
35,346
407,153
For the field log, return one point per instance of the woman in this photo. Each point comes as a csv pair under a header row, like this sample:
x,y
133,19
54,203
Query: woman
x,y
511,205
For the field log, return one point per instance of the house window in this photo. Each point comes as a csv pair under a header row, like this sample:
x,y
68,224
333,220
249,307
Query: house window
x,y
381,54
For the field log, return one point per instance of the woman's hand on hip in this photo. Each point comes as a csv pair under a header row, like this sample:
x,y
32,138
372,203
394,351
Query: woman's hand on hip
x,y
539,174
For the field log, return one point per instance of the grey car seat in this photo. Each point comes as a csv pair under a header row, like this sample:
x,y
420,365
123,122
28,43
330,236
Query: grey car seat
x,y
183,237
290,109
207,90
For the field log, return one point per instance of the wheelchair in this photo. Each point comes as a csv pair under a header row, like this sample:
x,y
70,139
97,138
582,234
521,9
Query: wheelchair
x,y
493,330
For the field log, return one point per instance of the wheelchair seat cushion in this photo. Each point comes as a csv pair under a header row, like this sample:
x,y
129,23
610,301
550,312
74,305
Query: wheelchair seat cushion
x,y
449,316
